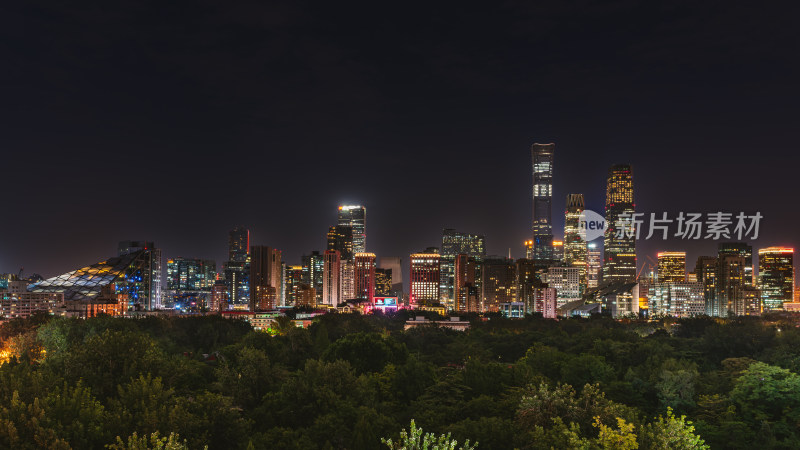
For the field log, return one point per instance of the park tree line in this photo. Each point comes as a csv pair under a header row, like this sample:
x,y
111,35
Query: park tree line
x,y
362,382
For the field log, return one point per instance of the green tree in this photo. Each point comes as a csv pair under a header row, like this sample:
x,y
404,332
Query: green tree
x,y
415,439
152,442
670,433
367,352
621,438
765,392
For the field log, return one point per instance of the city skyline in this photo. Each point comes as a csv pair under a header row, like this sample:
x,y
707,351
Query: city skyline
x,y
647,258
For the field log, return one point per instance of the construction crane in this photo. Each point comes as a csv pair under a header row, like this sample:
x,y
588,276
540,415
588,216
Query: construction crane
x,y
650,266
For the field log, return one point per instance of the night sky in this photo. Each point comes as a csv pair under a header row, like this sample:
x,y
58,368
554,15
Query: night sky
x,y
176,121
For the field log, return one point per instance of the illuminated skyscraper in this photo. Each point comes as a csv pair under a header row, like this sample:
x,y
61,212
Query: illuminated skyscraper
x,y
424,275
266,278
498,282
566,281
619,243
365,276
239,244
464,281
706,273
558,253
594,260
729,282
394,264
455,243
677,299
527,282
312,273
671,267
745,251
575,249
542,159
347,280
292,281
331,274
340,237
776,276
150,283
355,216
383,282
237,268
190,274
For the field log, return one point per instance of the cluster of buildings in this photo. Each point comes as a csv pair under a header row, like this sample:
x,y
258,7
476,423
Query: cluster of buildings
x,y
565,277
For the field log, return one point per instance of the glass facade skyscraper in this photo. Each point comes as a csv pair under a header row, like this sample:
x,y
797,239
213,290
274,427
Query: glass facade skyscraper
x,y
455,243
355,216
190,274
575,249
151,276
745,251
238,244
776,276
671,267
619,243
542,165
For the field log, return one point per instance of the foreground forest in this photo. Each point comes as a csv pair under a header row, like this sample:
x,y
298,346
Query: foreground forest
x,y
348,381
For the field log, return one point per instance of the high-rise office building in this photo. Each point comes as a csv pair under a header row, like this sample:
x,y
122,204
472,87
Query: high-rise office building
x,y
190,274
542,165
705,272
219,297
292,281
528,249
365,276
355,216
729,282
464,280
237,268
237,278
312,273
455,243
745,251
340,237
594,260
677,299
619,242
498,282
150,283
527,282
567,283
331,274
239,244
347,280
575,246
671,267
424,276
395,265
266,278
383,282
776,276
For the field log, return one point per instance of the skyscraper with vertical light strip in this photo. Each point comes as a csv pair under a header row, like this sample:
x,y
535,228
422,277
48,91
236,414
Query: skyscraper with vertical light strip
x,y
542,165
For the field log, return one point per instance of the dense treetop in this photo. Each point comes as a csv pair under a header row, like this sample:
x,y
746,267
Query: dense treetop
x,y
351,382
